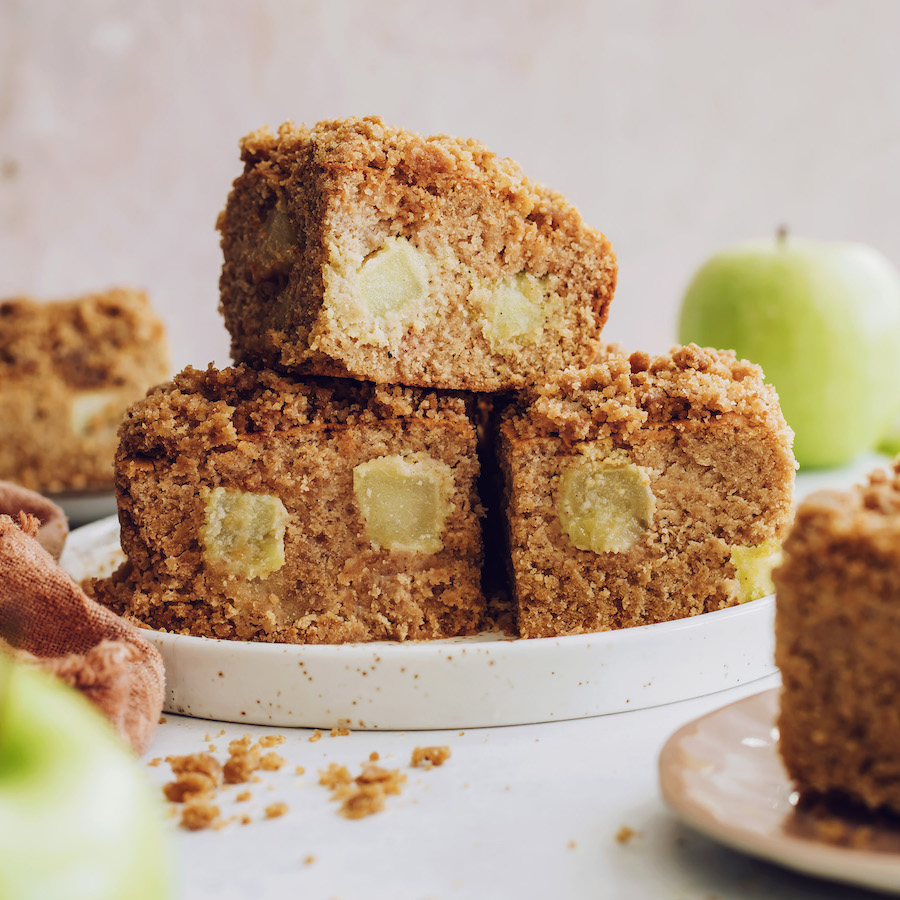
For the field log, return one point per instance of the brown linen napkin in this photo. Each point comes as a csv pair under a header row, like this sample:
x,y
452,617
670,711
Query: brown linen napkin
x,y
45,614
54,527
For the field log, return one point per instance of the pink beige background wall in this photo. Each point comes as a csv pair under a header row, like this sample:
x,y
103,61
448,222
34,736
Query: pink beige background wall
x,y
677,126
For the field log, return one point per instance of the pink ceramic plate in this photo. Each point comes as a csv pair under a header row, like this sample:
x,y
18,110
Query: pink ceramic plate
x,y
723,776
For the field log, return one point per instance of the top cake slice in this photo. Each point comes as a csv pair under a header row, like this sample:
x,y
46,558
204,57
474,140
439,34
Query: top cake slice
x,y
361,250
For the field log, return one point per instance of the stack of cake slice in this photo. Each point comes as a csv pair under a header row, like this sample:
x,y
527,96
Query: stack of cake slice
x,y
383,292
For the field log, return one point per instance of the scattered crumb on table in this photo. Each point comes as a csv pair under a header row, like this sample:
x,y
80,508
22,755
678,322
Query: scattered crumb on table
x,y
625,834
430,756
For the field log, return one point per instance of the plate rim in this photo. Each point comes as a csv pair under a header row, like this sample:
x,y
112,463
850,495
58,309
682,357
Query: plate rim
x,y
849,865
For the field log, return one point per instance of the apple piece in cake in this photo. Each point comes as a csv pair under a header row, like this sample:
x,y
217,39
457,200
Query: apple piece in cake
x,y
257,507
642,490
353,248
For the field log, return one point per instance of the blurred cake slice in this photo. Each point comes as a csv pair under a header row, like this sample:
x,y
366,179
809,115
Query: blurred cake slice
x,y
68,371
358,249
837,644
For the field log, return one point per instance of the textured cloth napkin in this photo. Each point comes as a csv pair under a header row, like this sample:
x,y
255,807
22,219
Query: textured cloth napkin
x,y
46,616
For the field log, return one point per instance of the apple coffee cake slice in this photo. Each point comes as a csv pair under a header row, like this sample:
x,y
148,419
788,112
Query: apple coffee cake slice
x,y
357,249
837,643
321,511
68,371
642,490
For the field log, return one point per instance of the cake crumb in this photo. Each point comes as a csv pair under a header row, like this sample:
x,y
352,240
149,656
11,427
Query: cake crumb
x,y
199,814
271,740
274,810
366,800
300,770
309,860
339,732
373,756
271,762
197,775
364,795
315,736
626,834
243,761
242,797
334,776
429,756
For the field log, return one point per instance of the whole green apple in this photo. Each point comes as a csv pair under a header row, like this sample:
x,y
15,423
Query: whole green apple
x,y
823,321
78,819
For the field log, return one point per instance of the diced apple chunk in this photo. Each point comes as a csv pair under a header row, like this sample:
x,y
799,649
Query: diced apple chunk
x,y
243,533
753,567
516,311
96,413
605,508
404,501
394,280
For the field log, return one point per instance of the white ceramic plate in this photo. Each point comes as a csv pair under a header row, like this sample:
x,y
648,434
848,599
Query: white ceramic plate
x,y
723,776
458,683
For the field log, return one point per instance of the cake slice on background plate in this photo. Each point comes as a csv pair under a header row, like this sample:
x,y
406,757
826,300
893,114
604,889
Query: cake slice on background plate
x,y
68,370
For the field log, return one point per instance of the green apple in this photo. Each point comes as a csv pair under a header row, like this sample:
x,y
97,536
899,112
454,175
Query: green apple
x,y
78,818
823,321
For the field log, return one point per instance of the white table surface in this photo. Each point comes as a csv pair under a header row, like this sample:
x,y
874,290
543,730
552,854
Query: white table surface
x,y
516,812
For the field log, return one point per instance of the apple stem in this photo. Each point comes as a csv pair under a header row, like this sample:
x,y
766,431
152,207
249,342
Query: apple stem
x,y
781,235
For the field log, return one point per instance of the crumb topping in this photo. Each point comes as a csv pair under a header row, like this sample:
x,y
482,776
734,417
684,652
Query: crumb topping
x,y
350,145
622,393
218,409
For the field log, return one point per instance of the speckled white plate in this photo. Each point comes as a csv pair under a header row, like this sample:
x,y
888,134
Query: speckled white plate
x,y
723,776
458,683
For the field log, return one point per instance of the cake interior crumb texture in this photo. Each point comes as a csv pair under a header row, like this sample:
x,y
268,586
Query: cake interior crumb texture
x,y
353,248
262,508
630,489
837,643
68,371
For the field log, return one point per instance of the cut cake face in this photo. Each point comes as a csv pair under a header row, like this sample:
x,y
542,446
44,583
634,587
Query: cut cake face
x,y
257,508
837,644
69,369
643,490
367,251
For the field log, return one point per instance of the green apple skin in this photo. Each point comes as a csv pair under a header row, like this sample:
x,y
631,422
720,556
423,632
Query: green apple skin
x,y
823,321
78,818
